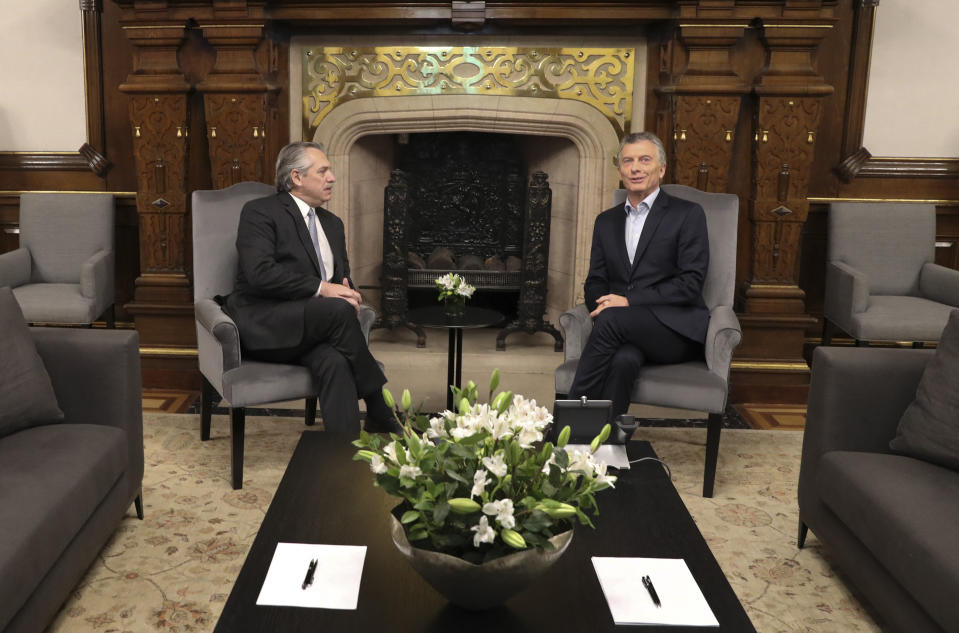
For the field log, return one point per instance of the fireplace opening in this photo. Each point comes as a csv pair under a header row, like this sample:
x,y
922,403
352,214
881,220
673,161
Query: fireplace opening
x,y
467,203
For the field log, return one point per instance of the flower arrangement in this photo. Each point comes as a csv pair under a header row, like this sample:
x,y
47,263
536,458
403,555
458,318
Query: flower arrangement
x,y
454,291
480,483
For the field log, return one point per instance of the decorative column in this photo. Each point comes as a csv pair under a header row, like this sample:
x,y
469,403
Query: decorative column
x,y
162,307
788,107
238,105
701,106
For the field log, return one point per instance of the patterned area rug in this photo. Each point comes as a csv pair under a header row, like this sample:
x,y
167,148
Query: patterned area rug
x,y
172,571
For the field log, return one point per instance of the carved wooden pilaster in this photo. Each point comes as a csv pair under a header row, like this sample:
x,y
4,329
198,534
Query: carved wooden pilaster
x,y
238,105
788,109
159,123
702,105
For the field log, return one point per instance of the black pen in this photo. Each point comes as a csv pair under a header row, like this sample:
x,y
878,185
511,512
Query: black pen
x,y
309,574
652,591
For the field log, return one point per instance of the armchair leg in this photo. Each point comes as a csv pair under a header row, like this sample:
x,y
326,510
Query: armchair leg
x,y
138,504
238,426
827,331
207,394
861,343
111,318
801,537
310,411
715,425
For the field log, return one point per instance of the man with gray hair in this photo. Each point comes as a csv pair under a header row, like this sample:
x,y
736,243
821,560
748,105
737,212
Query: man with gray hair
x,y
293,300
645,282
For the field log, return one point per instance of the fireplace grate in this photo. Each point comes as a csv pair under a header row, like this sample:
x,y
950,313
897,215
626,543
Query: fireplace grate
x,y
481,279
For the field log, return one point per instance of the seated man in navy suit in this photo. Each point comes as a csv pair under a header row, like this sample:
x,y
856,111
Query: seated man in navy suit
x,y
644,287
293,300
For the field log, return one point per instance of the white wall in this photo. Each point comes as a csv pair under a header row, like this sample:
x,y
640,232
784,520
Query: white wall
x,y
42,99
911,103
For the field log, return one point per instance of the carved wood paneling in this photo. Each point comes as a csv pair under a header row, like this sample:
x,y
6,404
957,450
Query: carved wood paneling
x,y
236,133
160,145
703,134
784,145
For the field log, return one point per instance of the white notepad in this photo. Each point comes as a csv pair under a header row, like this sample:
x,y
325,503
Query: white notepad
x,y
682,601
614,455
336,581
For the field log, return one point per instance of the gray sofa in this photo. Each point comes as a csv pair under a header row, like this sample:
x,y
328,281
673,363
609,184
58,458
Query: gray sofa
x,y
889,521
64,486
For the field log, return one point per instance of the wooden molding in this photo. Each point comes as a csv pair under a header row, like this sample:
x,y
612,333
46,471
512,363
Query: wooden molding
x,y
857,87
850,166
890,167
44,161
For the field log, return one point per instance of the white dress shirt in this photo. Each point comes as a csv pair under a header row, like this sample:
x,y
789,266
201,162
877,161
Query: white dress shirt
x,y
636,220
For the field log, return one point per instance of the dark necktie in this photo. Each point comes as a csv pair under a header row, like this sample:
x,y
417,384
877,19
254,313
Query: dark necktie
x,y
314,235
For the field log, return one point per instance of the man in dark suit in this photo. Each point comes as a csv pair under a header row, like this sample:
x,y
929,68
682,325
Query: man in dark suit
x,y
644,288
294,301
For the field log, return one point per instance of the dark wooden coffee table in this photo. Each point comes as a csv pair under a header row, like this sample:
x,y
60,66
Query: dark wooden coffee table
x,y
325,497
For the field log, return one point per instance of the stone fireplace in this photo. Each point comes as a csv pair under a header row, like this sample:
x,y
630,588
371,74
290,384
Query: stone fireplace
x,y
571,138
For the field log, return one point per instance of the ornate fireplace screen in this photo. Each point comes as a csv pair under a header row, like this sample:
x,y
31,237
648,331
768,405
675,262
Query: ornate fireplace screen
x,y
459,202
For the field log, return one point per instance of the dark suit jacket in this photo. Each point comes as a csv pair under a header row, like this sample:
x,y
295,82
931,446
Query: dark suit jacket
x,y
669,269
278,270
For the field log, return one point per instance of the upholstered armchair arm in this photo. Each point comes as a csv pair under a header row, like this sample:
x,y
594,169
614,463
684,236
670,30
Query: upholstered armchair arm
x,y
96,277
722,337
847,293
366,316
218,340
856,397
577,325
15,268
939,283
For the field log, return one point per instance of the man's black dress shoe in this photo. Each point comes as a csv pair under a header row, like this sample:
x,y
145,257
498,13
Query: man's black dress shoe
x,y
379,417
375,424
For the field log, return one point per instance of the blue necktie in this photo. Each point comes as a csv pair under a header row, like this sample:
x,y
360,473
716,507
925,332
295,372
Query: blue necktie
x,y
311,225
633,230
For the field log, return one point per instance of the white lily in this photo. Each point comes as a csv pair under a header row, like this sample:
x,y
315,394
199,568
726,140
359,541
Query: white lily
x,y
484,533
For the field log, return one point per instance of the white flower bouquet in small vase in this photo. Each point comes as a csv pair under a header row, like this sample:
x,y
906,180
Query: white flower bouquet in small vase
x,y
454,291
487,505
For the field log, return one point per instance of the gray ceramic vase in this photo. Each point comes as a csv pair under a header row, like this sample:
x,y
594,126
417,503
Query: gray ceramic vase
x,y
473,586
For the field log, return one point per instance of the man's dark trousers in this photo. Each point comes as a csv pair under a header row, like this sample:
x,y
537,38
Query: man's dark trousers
x,y
335,351
624,339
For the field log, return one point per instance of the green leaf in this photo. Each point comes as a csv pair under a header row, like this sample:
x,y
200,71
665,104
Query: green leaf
x,y
440,512
409,516
400,453
537,521
417,534
452,474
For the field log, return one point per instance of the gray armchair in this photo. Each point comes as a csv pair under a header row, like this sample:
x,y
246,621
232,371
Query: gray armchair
x,y
881,280
240,383
63,271
698,385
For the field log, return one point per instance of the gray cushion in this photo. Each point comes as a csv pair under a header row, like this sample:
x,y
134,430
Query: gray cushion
x,y
903,511
929,428
56,303
892,318
54,478
26,394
